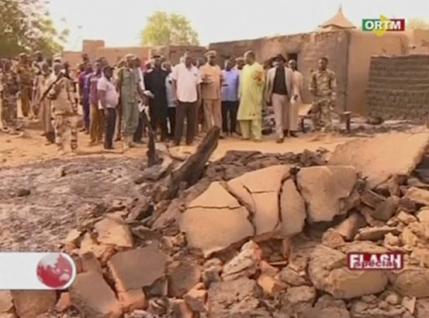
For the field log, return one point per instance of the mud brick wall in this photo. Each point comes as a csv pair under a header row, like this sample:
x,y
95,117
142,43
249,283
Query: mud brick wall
x,y
398,87
309,47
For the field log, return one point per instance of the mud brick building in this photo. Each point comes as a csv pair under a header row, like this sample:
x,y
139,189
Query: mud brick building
x,y
348,49
96,49
398,87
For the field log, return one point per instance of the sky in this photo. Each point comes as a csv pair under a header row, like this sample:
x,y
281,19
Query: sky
x,y
119,22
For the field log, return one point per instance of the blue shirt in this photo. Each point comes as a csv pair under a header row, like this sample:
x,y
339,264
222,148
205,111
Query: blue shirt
x,y
231,81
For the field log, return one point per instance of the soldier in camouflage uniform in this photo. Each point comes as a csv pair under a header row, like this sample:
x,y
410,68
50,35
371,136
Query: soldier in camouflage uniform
x,y
9,95
64,110
25,73
323,86
128,84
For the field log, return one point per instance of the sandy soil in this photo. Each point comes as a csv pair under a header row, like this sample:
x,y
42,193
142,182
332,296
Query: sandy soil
x,y
30,148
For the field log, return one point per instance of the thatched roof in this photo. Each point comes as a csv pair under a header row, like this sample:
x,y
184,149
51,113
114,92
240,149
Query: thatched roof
x,y
338,21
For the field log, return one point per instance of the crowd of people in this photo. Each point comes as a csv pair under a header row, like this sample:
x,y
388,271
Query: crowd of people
x,y
121,102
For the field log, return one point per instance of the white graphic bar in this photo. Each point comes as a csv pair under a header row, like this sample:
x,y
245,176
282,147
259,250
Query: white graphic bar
x,y
36,271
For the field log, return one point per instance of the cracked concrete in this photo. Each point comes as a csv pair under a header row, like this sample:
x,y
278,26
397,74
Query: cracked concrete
x,y
260,189
266,203
215,220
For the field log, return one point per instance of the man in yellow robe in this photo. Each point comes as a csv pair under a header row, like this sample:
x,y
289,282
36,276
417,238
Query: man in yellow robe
x,y
251,96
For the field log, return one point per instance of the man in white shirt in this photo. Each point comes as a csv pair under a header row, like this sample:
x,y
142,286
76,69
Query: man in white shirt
x,y
187,82
109,99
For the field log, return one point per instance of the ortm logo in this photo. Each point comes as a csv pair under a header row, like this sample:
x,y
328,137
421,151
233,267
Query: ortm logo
x,y
382,25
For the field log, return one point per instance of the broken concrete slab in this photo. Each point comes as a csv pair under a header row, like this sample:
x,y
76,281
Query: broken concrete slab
x,y
417,195
72,237
214,229
391,241
211,271
137,268
90,263
215,197
409,303
423,215
182,277
263,180
89,245
179,308
332,238
406,218
268,269
93,296
196,298
328,307
245,264
293,213
31,303
266,212
113,232
324,189
371,198
298,300
409,239
258,191
367,214
362,246
327,271
350,226
386,209
235,298
375,233
292,277
132,300
378,158
377,308
271,286
422,308
412,281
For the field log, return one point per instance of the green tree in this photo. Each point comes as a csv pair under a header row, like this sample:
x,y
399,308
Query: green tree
x,y
168,29
417,24
25,26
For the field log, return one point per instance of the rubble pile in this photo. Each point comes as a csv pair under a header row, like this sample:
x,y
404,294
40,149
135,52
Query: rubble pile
x,y
258,236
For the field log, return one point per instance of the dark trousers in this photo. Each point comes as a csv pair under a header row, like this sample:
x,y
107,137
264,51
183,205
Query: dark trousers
x,y
138,135
86,113
186,111
229,116
158,122
171,121
110,123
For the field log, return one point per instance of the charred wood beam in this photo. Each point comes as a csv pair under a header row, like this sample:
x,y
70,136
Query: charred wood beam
x,y
192,169
152,156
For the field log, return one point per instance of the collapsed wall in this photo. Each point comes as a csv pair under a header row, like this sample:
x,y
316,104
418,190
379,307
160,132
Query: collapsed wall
x,y
398,87
257,235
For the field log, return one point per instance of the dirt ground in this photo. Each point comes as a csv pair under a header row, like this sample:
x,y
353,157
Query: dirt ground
x,y
31,147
